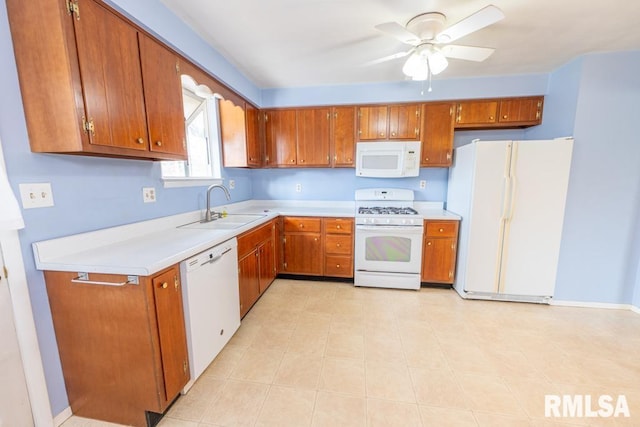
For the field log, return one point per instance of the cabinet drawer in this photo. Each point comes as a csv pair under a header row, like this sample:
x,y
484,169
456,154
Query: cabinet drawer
x,y
302,224
441,228
338,244
338,266
249,240
338,225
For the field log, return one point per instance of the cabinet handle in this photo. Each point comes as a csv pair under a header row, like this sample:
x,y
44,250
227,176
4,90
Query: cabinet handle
x,y
381,133
164,285
337,265
349,159
315,239
159,143
301,160
337,245
428,243
441,230
338,227
392,134
426,159
301,225
491,118
140,141
293,160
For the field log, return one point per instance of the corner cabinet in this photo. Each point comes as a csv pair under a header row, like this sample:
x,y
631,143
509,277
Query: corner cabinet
x,y
439,250
96,84
122,344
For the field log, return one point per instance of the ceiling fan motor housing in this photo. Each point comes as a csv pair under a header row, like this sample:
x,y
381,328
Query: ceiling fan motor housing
x,y
427,25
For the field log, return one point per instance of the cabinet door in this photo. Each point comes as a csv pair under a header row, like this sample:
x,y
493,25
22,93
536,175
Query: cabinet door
x,y
280,134
372,123
248,281
171,331
404,121
233,133
474,113
163,98
303,254
437,134
312,136
109,62
438,260
344,136
266,264
254,148
521,110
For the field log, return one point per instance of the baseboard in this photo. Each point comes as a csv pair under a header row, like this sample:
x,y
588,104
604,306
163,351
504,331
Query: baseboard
x,y
585,304
635,309
62,417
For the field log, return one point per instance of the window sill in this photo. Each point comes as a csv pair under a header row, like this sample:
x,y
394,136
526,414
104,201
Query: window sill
x,y
190,182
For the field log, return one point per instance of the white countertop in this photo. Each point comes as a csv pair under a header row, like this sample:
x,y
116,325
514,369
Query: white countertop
x,y
144,248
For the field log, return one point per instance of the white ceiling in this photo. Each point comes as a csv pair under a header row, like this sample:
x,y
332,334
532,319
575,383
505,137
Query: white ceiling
x,y
294,43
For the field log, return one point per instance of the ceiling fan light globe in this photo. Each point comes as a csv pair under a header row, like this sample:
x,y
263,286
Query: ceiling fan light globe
x,y
437,62
413,65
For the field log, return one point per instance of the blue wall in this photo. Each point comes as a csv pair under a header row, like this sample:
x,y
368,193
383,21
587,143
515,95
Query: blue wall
x,y
590,98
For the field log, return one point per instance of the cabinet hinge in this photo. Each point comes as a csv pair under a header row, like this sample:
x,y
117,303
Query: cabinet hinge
x,y
266,118
184,366
284,264
177,67
5,272
328,116
175,282
73,8
88,126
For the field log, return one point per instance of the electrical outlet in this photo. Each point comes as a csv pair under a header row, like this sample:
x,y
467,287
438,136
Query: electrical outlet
x,y
232,184
423,183
36,195
149,194
298,188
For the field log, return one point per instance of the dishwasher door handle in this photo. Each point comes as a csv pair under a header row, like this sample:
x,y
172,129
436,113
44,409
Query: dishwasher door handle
x,y
217,258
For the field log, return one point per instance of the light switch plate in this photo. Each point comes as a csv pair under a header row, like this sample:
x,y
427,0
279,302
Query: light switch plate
x,y
36,195
423,183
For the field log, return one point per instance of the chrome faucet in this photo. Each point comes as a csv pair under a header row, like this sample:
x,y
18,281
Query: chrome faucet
x,y
208,217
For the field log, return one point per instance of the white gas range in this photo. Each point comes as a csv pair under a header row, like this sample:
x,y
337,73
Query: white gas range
x,y
388,239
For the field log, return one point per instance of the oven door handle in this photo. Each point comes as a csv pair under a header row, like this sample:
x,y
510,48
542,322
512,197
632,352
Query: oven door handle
x,y
404,229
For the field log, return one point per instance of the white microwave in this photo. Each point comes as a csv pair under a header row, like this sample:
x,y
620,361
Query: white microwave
x,y
388,159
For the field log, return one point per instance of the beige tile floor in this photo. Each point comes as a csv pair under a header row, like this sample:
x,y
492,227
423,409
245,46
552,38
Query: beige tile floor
x,y
329,354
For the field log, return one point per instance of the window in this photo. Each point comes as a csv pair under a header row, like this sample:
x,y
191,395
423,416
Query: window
x,y
203,164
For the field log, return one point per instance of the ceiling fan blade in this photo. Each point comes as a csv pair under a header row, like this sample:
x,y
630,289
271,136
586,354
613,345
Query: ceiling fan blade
x,y
469,53
388,58
399,32
482,18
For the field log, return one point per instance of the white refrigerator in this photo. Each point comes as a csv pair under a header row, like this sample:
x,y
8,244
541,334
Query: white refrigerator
x,y
511,196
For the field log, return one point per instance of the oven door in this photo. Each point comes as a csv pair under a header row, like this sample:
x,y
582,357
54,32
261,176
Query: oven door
x,y
393,249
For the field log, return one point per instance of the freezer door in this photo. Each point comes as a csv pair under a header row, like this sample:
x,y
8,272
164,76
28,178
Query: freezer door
x,y
535,216
487,214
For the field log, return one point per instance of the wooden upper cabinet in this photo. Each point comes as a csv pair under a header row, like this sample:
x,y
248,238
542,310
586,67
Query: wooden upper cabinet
x,y
343,136
500,113
313,136
254,130
91,99
523,111
280,137
404,121
109,61
233,134
474,113
381,122
372,122
239,134
162,97
437,134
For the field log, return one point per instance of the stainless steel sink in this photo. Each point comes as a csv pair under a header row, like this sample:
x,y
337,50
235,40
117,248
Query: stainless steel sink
x,y
228,222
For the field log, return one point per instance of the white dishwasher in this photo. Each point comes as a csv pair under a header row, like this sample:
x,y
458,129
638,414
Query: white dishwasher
x,y
211,303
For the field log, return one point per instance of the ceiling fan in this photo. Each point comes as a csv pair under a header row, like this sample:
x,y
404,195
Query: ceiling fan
x,y
430,40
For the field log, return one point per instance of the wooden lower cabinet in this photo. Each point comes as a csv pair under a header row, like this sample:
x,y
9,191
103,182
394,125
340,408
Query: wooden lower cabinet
x,y
302,246
439,251
338,247
122,346
256,263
